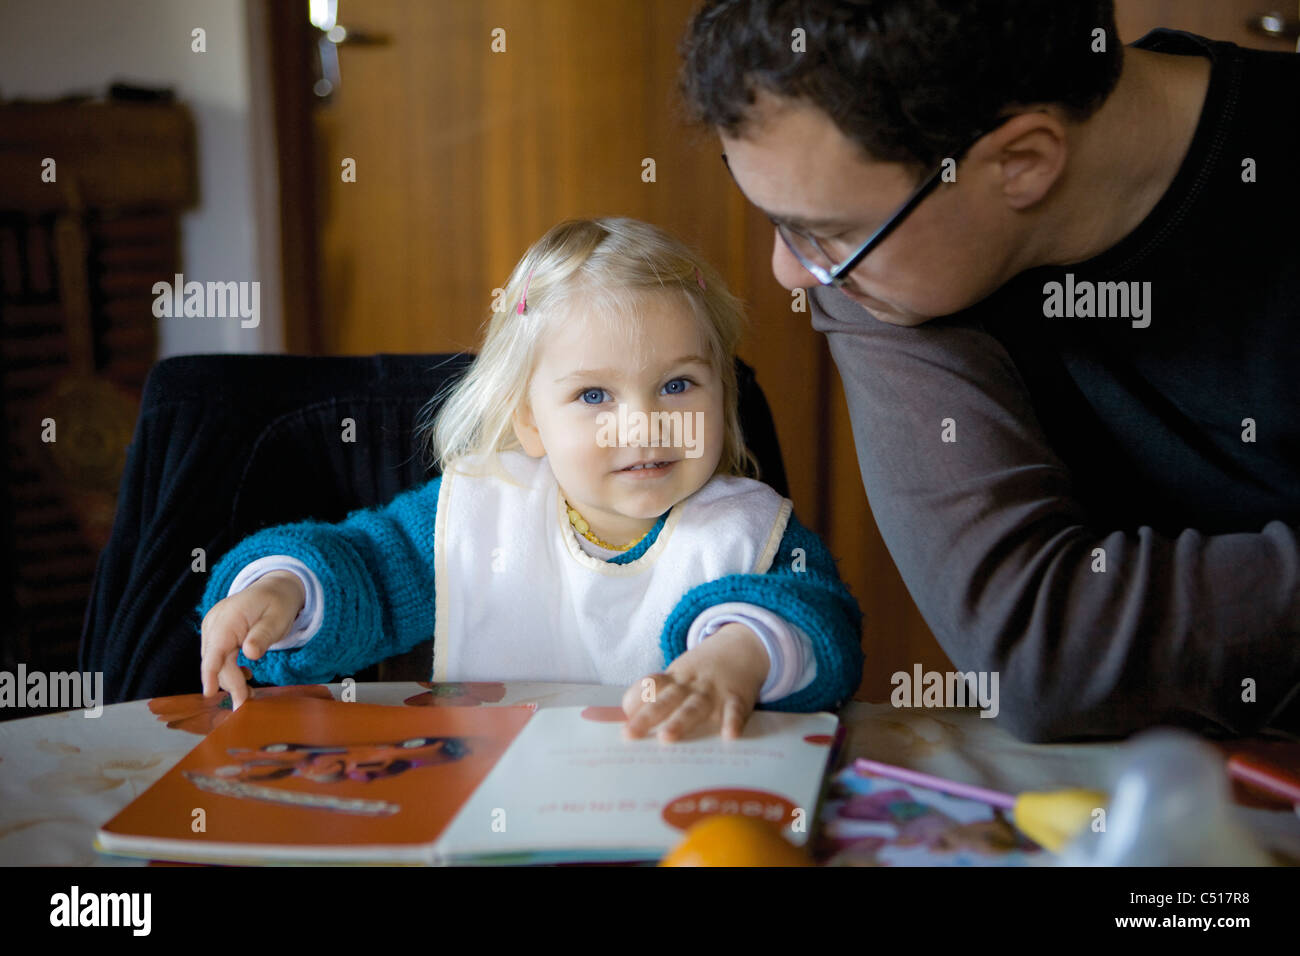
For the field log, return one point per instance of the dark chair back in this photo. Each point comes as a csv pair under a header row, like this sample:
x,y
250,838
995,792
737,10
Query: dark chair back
x,y
228,444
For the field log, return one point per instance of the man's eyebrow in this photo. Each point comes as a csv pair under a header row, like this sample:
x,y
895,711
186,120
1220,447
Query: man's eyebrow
x,y
801,223
614,373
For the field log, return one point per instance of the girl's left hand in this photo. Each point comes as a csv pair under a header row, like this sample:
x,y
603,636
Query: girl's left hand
x,y
714,685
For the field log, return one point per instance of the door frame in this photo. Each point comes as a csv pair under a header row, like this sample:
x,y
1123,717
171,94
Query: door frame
x,y
281,73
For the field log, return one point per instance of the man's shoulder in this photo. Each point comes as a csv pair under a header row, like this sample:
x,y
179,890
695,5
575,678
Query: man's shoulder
x,y
834,313
1167,40
1184,42
1254,65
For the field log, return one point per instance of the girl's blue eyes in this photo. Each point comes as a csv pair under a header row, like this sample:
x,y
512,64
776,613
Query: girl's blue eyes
x,y
600,391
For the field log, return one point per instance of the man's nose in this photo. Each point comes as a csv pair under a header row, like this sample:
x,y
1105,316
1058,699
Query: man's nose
x,y
786,268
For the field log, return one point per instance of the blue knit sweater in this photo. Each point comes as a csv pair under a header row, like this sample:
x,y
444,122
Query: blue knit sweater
x,y
376,571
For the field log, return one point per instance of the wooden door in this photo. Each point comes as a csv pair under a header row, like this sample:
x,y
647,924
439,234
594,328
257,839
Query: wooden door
x,y
464,156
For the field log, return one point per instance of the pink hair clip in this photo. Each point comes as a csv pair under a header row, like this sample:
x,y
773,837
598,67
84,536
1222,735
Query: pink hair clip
x,y
522,308
700,279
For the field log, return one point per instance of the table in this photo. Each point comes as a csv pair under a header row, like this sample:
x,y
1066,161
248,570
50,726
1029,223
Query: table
x,y
63,775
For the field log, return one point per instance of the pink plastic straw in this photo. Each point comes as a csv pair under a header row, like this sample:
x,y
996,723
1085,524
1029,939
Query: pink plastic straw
x,y
1265,776
994,797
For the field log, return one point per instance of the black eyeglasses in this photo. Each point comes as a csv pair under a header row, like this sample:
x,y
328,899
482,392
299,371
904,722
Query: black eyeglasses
x,y
807,249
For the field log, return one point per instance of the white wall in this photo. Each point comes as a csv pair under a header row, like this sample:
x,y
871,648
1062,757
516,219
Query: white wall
x,y
51,48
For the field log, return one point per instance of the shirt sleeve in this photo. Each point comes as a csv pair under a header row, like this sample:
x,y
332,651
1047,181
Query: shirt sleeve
x,y
309,618
1002,560
802,588
375,571
793,666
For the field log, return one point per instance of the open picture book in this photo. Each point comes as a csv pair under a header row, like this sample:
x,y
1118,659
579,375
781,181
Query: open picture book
x,y
299,780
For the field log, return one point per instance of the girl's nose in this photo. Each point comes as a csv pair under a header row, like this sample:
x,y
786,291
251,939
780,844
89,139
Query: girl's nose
x,y
658,428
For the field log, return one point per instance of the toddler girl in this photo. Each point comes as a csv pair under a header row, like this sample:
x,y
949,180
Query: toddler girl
x,y
593,521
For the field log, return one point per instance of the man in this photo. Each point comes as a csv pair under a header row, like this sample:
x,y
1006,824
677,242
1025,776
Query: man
x,y
1072,361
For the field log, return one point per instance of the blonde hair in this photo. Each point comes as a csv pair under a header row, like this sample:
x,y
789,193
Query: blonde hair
x,y
605,264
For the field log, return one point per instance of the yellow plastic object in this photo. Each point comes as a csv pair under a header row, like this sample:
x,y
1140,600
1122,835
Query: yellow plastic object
x,y
1053,819
727,840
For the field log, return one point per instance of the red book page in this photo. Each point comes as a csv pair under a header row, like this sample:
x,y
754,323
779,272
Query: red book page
x,y
307,772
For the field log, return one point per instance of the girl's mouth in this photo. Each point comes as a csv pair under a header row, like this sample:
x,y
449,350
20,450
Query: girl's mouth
x,y
647,470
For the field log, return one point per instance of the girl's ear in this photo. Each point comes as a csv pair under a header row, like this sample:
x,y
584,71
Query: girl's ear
x,y
526,431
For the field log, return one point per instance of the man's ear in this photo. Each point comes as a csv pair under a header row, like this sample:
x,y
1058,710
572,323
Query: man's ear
x,y
526,431
1031,153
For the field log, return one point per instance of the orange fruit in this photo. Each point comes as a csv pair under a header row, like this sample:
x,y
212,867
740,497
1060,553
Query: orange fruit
x,y
728,840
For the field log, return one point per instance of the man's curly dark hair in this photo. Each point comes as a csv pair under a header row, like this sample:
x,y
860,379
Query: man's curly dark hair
x,y
910,81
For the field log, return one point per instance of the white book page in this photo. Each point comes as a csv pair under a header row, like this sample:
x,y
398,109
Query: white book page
x,y
571,782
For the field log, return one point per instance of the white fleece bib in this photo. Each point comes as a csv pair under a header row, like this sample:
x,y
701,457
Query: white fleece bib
x,y
518,598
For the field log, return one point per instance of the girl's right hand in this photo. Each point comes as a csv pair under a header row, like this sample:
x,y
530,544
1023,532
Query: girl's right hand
x,y
252,619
